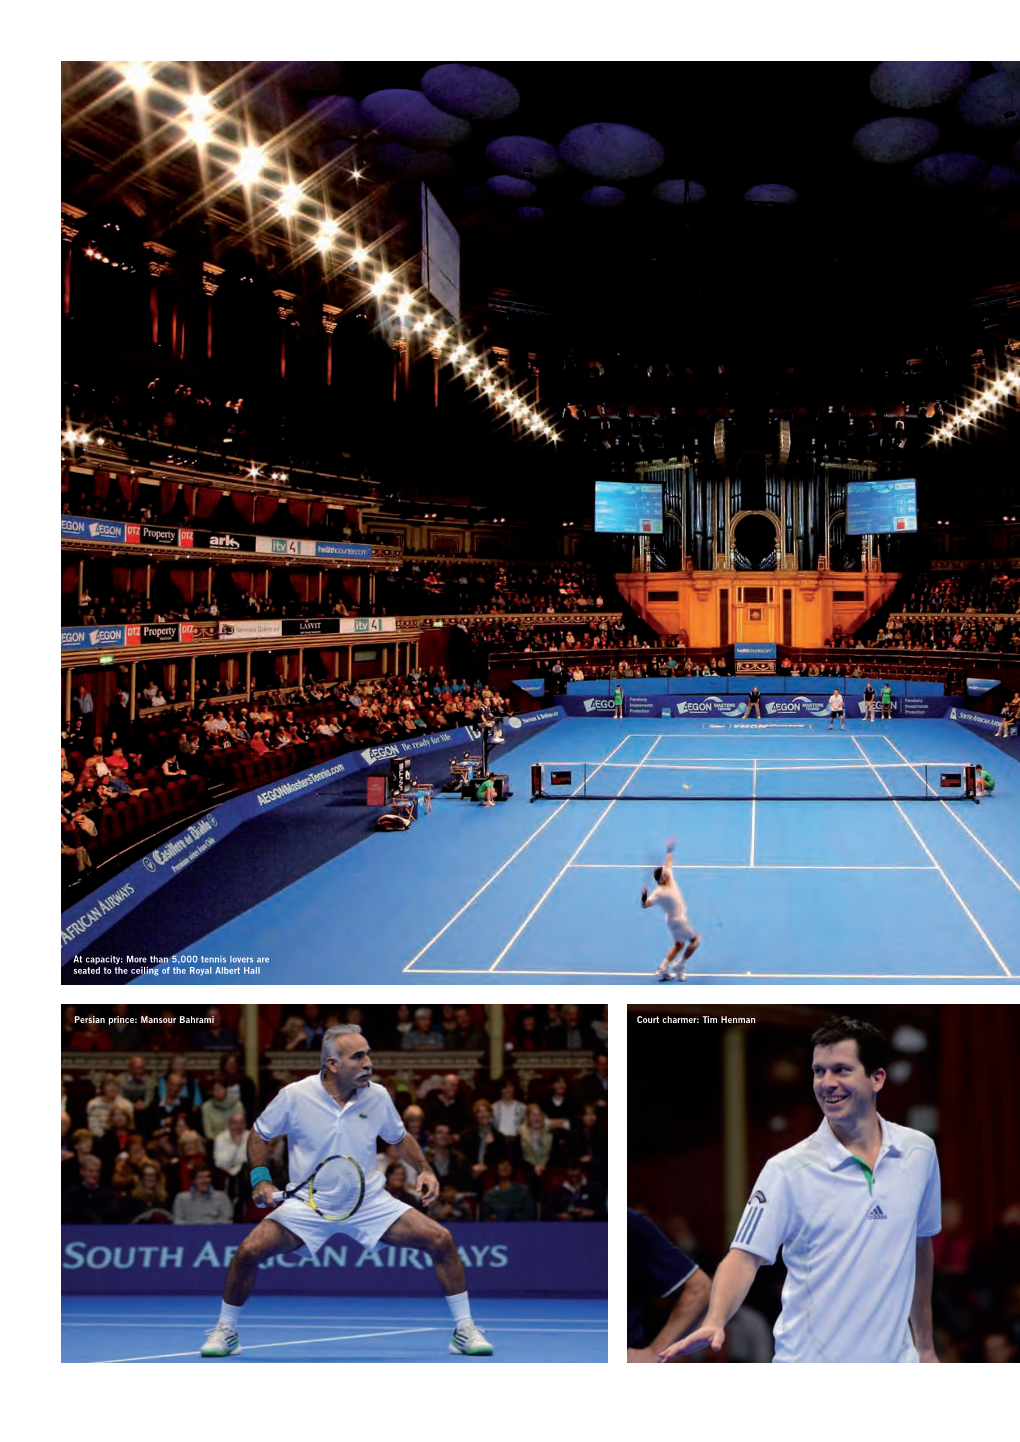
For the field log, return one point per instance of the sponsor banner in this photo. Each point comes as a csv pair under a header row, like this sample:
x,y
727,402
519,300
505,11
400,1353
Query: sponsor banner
x,y
532,718
501,1259
779,706
341,551
978,685
87,638
84,924
232,541
367,625
754,651
327,626
283,546
534,687
88,528
643,705
152,635
149,535
975,719
919,705
248,630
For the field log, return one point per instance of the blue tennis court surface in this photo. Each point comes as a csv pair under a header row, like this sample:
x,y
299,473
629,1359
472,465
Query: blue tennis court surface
x,y
780,890
319,1329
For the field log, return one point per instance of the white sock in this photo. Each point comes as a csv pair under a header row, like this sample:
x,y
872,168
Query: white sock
x,y
460,1308
229,1315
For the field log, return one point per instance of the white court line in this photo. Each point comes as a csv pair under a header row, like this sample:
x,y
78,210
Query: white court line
x,y
262,1346
990,854
764,975
973,919
191,1319
754,808
485,885
743,866
563,870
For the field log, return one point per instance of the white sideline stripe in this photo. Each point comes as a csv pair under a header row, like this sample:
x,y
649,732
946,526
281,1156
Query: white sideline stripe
x,y
190,1319
262,1346
576,852
921,841
990,854
754,808
291,1327
743,866
485,885
740,975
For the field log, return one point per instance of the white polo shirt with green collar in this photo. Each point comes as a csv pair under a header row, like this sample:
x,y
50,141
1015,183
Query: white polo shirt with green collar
x,y
848,1236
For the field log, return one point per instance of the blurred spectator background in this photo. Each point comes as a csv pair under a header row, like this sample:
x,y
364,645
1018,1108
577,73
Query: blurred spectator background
x,y
741,1092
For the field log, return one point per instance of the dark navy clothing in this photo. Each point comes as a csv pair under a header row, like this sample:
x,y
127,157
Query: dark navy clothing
x,y
655,1268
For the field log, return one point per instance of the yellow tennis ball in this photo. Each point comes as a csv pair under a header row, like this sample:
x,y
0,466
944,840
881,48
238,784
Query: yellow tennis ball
x,y
687,786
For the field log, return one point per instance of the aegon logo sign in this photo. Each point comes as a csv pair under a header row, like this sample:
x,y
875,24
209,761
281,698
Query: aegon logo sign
x,y
708,706
599,703
105,636
105,531
381,753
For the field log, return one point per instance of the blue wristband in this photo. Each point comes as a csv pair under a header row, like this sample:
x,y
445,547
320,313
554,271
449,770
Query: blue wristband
x,y
260,1174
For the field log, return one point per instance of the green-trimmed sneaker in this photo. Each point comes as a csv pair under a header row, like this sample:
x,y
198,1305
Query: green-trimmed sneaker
x,y
469,1341
222,1341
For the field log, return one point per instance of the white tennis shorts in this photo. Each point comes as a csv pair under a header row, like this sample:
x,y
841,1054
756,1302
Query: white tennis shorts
x,y
369,1224
681,929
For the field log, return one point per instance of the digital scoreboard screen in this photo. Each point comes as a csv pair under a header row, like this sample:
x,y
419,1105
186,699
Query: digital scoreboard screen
x,y
876,508
630,508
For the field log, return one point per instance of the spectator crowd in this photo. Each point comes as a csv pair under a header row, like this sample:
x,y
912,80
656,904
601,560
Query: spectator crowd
x,y
164,1137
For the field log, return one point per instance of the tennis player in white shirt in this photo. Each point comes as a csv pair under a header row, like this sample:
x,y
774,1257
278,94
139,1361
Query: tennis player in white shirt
x,y
668,895
854,1208
340,1111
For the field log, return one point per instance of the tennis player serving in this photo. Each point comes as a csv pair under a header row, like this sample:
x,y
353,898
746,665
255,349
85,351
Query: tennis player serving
x,y
332,1122
854,1208
668,895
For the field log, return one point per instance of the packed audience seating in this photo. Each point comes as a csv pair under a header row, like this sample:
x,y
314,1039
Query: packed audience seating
x,y
427,586
118,788
155,1116
973,610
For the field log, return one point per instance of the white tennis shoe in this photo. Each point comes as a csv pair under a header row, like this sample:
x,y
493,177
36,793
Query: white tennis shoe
x,y
469,1341
221,1341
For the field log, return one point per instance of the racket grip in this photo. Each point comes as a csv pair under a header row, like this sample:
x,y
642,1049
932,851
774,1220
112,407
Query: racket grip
x,y
276,1197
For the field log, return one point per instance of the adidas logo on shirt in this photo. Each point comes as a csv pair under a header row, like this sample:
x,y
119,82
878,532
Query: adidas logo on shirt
x,y
877,1215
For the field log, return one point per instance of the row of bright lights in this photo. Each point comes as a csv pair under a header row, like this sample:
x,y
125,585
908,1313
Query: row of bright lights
x,y
979,408
198,121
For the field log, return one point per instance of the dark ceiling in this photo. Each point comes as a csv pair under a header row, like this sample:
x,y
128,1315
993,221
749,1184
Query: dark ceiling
x,y
866,255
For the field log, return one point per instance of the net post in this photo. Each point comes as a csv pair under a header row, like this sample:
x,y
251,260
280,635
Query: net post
x,y
970,772
536,780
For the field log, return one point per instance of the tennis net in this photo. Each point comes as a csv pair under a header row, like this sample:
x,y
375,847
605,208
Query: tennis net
x,y
754,781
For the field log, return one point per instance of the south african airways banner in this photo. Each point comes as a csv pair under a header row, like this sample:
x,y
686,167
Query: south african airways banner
x,y
508,1259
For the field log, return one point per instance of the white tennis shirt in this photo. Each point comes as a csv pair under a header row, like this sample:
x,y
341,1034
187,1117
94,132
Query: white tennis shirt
x,y
317,1127
848,1241
670,898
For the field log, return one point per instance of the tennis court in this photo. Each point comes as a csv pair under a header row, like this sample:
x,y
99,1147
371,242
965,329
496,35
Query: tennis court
x,y
814,888
318,1329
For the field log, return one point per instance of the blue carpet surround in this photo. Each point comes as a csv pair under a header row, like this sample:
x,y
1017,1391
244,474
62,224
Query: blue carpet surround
x,y
342,1329
875,891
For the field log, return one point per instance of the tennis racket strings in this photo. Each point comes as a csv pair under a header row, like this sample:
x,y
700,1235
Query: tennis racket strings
x,y
335,1189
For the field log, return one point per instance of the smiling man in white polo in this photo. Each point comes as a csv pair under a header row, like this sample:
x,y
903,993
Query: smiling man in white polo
x,y
854,1208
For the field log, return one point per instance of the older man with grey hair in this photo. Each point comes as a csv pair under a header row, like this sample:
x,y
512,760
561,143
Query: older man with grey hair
x,y
340,1111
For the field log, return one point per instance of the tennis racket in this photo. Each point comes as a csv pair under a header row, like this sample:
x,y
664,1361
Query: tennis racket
x,y
335,1189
